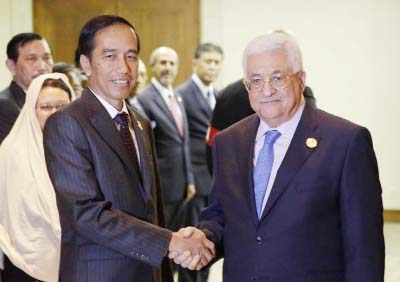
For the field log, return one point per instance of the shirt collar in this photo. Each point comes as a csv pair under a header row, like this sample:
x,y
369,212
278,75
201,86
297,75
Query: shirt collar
x,y
110,108
286,129
203,88
164,91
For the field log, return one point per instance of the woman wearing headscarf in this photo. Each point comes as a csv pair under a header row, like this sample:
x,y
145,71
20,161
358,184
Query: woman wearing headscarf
x,y
30,230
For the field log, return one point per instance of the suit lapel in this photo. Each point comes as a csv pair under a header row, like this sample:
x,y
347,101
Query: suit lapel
x,y
205,107
159,101
295,157
106,128
246,144
144,153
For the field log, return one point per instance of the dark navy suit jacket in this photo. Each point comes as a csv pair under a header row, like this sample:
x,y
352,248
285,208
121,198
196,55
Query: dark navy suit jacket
x,y
12,100
108,208
173,152
199,114
323,219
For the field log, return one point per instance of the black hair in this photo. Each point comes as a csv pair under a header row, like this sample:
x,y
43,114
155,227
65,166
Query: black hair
x,y
88,32
18,41
207,47
57,83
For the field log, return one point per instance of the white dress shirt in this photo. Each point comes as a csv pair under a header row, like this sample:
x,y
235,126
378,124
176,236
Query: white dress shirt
x,y
164,91
281,146
205,90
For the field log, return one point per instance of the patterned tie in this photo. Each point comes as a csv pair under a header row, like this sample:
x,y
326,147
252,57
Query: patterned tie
x,y
176,112
122,119
262,171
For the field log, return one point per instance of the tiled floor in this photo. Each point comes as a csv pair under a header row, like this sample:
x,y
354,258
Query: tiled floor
x,y
392,241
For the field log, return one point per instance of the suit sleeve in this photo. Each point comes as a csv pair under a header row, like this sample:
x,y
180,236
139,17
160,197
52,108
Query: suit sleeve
x,y
8,116
80,199
212,219
361,212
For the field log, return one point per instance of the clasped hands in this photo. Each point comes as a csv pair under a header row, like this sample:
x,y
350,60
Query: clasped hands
x,y
190,248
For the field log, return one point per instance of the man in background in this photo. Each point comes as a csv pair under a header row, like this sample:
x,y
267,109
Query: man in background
x,y
199,95
167,115
28,55
139,86
73,74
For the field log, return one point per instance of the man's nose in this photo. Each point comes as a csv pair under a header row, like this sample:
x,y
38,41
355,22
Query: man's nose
x,y
123,66
268,90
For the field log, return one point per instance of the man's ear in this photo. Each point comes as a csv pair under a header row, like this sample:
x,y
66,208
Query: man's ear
x,y
303,80
86,66
11,66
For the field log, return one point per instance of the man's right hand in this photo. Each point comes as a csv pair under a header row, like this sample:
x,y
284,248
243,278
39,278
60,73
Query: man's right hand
x,y
190,248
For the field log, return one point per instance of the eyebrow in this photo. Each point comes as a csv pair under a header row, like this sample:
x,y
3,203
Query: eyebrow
x,y
107,50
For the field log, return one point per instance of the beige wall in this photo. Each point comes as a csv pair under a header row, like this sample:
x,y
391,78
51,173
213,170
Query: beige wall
x,y
351,54
15,17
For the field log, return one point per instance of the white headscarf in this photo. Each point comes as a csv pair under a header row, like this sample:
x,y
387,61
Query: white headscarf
x,y
30,232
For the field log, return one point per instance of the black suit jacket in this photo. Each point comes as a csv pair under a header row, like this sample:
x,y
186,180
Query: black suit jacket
x,y
199,114
173,153
323,218
12,100
108,215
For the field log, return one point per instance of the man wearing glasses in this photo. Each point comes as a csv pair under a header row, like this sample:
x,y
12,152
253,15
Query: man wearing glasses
x,y
296,194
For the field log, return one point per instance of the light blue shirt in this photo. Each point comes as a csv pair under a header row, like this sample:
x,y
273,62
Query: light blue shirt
x,y
281,145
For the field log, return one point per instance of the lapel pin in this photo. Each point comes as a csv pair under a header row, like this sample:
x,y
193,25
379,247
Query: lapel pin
x,y
139,125
311,143
179,99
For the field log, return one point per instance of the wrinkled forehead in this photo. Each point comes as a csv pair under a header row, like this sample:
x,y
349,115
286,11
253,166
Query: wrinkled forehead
x,y
267,63
38,46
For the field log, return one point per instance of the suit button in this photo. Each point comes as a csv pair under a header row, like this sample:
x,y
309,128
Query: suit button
x,y
253,278
259,240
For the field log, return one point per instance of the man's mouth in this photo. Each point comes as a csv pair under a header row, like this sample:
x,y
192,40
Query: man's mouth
x,y
121,81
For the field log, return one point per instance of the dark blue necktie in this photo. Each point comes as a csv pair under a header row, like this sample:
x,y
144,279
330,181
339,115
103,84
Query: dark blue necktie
x,y
122,119
262,171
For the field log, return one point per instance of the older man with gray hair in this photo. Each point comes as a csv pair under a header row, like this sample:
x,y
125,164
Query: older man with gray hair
x,y
296,193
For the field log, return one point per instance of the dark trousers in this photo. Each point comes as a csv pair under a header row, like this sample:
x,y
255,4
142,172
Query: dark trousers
x,y
11,273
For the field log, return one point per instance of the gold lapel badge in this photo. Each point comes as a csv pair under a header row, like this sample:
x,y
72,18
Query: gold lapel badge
x,y
139,125
311,142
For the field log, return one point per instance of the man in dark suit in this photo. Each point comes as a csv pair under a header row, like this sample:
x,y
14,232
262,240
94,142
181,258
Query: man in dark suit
x,y
101,160
167,115
296,194
28,55
140,84
199,96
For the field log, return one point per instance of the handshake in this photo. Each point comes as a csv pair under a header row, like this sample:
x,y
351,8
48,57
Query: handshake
x,y
190,248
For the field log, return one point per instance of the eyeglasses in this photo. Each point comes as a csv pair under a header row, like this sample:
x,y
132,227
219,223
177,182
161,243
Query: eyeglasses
x,y
276,81
49,108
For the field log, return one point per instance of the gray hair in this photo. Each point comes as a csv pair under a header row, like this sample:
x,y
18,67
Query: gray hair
x,y
155,53
271,42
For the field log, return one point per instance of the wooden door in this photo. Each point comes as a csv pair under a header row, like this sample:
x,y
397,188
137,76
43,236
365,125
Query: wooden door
x,y
173,23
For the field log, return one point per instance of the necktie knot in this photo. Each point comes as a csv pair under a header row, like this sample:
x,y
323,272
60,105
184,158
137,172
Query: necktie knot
x,y
271,136
122,119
